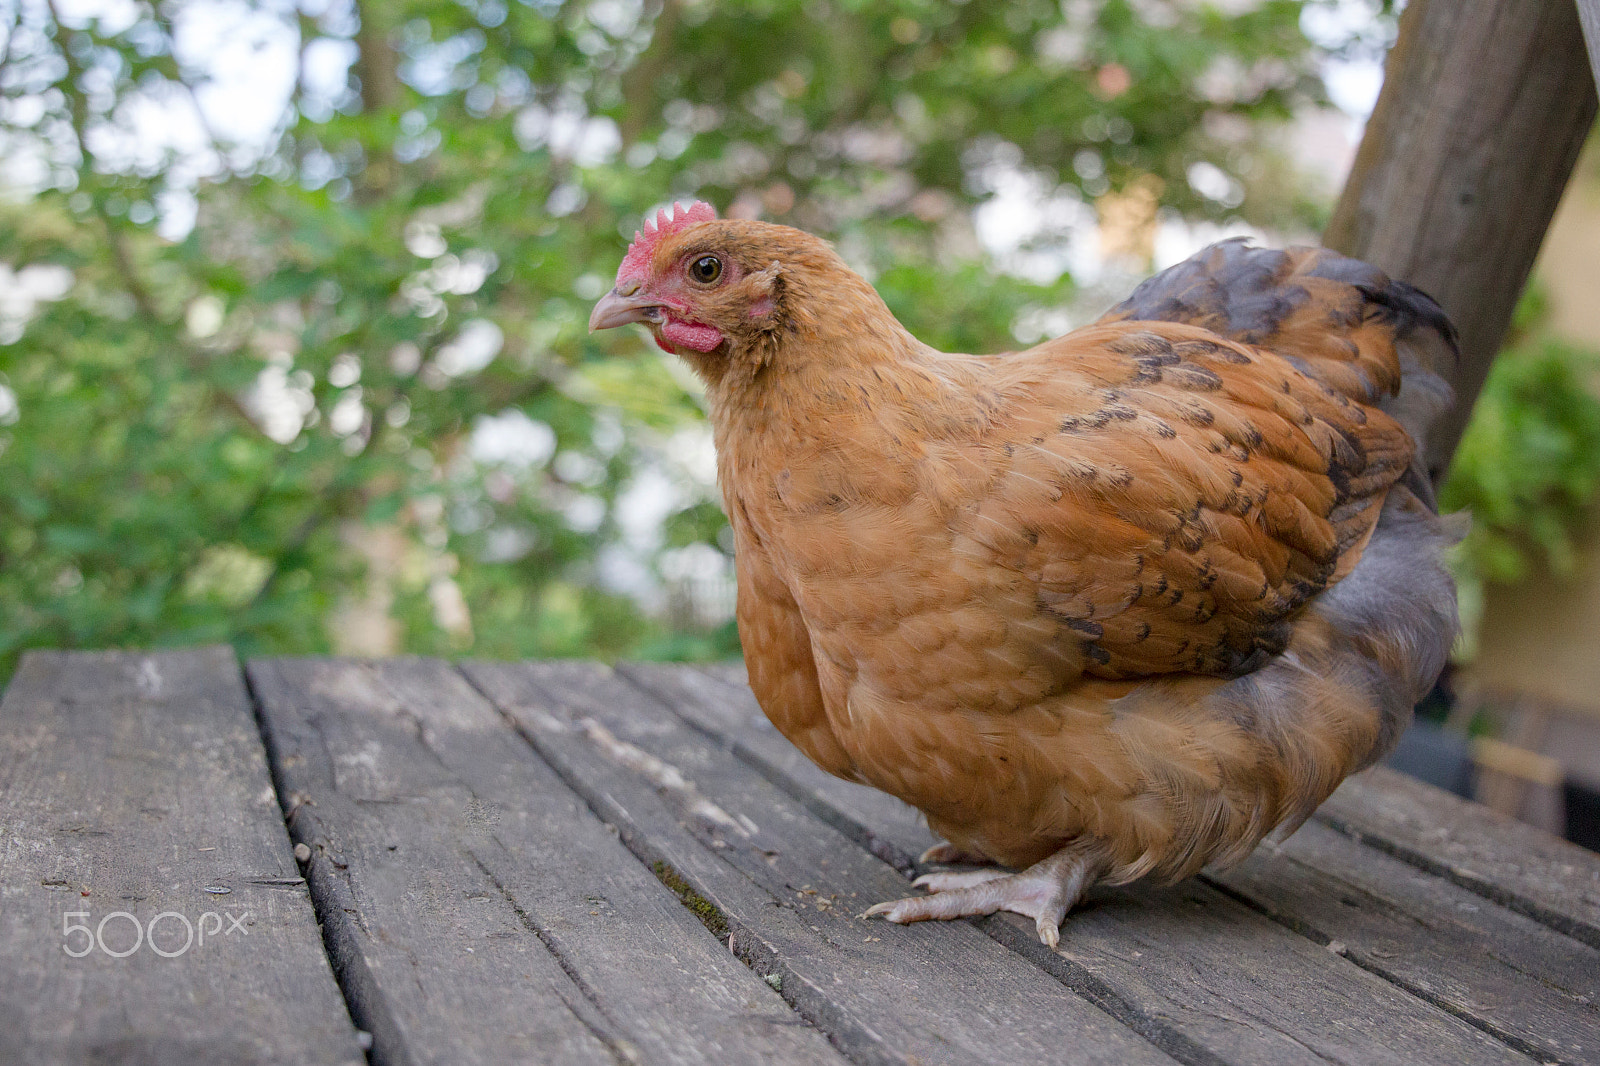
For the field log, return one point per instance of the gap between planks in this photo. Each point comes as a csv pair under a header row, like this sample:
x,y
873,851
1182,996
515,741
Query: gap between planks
x,y
1202,1002
885,848
417,799
938,992
1551,881
1547,1012
135,785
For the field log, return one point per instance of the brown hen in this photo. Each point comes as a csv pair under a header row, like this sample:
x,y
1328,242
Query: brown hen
x,y
1117,605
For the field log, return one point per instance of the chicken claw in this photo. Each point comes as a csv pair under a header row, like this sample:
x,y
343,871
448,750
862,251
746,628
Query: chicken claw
x,y
1044,892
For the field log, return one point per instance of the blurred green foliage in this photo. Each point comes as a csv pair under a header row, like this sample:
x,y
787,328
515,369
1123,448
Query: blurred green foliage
x,y
1528,465
261,428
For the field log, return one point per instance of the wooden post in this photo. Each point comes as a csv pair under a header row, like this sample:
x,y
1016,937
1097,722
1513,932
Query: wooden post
x,y
1485,105
1589,16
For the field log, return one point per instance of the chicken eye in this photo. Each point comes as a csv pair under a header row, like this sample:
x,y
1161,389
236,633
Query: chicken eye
x,y
706,269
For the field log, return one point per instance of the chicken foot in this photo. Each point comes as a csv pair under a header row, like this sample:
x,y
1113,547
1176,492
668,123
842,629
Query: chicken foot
x,y
1044,891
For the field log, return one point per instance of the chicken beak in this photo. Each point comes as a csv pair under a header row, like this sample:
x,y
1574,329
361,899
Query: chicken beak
x,y
618,308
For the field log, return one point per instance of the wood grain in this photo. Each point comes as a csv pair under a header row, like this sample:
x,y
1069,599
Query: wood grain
x,y
1531,987
1195,971
136,782
480,911
1484,107
791,888
1525,869
893,831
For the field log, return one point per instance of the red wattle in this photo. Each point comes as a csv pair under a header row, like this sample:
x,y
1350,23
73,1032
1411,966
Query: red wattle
x,y
692,335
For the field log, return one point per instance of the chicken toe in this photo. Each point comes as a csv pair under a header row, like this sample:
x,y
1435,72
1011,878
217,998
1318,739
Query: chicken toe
x,y
1044,892
952,881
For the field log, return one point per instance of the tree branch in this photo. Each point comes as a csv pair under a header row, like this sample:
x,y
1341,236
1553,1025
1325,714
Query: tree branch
x,y
144,301
378,69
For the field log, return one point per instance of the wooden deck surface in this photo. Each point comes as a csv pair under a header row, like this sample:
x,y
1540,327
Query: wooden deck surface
x,y
316,861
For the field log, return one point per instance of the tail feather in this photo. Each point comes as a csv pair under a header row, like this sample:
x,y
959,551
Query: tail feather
x,y
1366,648
1337,700
1341,321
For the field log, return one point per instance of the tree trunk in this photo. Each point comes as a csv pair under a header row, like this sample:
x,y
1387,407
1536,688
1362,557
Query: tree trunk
x,y
377,67
1484,108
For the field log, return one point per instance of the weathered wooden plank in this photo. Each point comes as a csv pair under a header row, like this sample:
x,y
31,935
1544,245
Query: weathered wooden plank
x,y
790,887
1188,966
1484,107
133,789
893,831
482,912
400,903
1534,988
1523,868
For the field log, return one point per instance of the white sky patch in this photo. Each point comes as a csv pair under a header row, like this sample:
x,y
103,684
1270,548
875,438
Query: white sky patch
x,y
619,18
1035,232
115,16
619,570
280,401
325,74
178,210
241,59
569,132
1353,83
694,450
1353,86
1322,141
149,125
248,54
579,468
475,346
671,475
644,504
1177,238
1212,182
511,438
204,316
640,511
348,414
345,371
22,291
462,275
425,240
584,513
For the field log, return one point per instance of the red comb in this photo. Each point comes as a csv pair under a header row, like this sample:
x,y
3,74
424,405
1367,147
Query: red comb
x,y
636,264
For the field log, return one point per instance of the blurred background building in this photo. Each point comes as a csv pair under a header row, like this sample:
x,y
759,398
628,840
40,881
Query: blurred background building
x,y
1534,680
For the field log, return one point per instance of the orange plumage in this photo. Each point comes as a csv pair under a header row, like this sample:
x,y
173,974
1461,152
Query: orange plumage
x,y
1116,605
